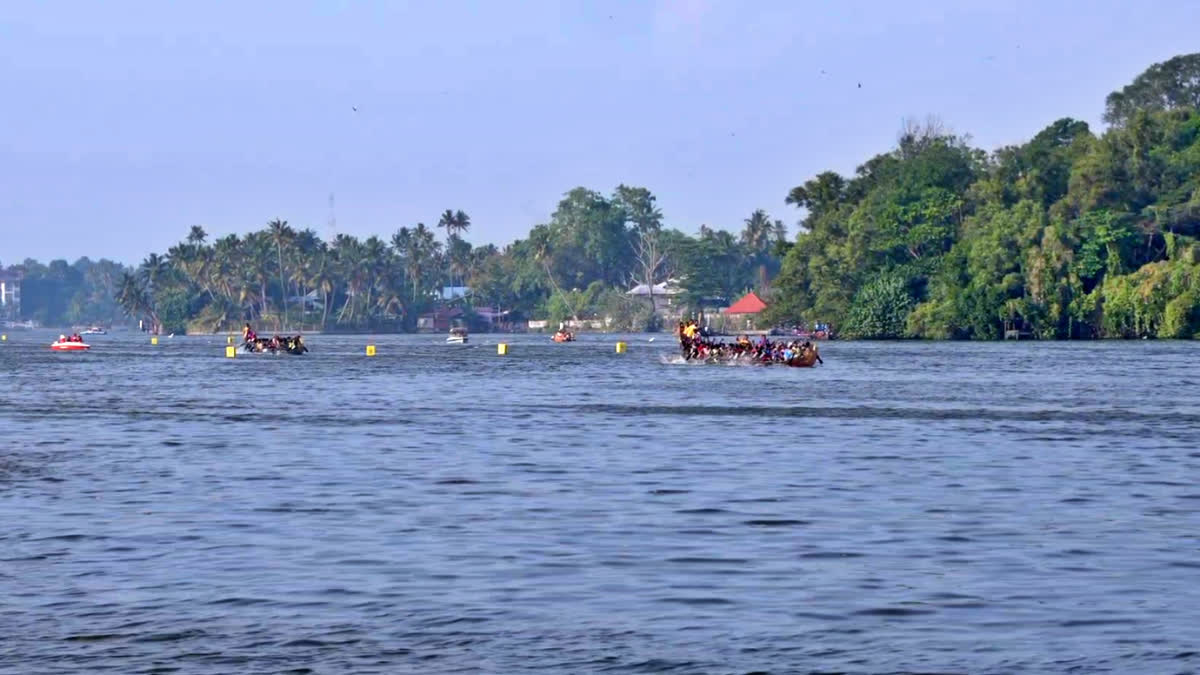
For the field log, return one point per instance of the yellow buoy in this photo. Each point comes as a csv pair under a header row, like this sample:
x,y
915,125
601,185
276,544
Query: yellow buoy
x,y
501,349
370,350
230,352
3,338
620,347
154,340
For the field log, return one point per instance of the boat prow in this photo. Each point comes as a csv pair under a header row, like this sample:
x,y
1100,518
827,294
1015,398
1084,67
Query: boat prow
x,y
806,360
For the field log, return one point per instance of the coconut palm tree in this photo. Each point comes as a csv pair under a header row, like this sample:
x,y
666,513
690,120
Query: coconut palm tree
x,y
306,256
281,233
135,298
757,234
458,255
256,267
541,240
197,235
423,252
455,223
376,260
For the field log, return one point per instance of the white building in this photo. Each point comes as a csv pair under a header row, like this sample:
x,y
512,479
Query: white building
x,y
10,293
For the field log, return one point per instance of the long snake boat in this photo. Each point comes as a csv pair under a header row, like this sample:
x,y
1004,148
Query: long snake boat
x,y
695,346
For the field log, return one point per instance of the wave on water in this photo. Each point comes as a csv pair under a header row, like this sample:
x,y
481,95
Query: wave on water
x,y
677,360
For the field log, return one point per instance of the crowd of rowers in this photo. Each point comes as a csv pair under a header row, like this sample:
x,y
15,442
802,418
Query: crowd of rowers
x,y
696,345
292,344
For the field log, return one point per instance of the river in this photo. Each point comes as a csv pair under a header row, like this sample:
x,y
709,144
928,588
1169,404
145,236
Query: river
x,y
1005,507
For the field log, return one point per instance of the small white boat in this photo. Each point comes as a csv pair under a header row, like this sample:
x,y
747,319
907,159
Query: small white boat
x,y
94,330
458,336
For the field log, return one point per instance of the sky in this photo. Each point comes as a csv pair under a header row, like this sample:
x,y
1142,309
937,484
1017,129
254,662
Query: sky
x,y
124,123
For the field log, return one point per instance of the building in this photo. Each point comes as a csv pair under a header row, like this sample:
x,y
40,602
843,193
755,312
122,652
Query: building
x,y
663,297
742,314
455,292
440,319
10,294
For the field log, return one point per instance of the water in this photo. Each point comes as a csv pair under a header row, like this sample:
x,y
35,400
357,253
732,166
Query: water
x,y
977,508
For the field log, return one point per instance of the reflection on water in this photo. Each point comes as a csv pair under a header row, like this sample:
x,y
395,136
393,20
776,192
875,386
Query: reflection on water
x,y
438,508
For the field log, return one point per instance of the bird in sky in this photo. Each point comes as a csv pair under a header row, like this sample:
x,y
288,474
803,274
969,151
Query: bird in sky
x,y
354,108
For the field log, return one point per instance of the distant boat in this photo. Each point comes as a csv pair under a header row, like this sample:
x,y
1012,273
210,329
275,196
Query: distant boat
x,y
563,335
457,336
94,330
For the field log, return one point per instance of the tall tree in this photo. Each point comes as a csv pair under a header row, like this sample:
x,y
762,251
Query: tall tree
x,y
281,233
1174,83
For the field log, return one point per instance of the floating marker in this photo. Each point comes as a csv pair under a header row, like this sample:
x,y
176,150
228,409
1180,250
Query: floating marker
x,y
620,347
230,352
501,349
154,340
370,350
3,338
228,339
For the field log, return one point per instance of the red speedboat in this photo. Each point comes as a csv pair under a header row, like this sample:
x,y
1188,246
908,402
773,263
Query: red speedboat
x,y
69,346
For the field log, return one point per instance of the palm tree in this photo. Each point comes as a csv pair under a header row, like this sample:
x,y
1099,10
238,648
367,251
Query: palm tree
x,y
543,251
455,224
759,228
280,232
758,237
376,256
458,254
320,277
447,221
135,299
423,253
402,246
462,222
197,235
307,251
256,267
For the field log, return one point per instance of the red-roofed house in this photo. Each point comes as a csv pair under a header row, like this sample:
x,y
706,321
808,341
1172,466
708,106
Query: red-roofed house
x,y
742,313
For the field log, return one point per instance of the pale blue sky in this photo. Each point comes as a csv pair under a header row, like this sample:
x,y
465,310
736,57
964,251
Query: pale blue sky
x,y
123,123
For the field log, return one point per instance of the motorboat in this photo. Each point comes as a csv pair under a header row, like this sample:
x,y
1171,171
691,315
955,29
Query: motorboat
x,y
562,335
94,330
65,345
458,336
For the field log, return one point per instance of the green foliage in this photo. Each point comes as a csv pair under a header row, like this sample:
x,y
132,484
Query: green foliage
x,y
1171,84
880,309
61,294
173,310
579,264
1059,236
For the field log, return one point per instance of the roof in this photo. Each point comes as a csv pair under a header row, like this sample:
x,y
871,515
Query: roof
x,y
668,287
749,304
443,313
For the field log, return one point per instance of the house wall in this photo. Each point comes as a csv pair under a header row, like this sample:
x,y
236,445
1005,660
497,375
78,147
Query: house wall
x,y
10,296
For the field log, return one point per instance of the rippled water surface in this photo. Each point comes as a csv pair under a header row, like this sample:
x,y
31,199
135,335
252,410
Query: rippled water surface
x,y
1020,507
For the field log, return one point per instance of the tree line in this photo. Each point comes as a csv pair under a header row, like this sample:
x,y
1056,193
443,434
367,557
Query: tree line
x,y
580,264
1070,235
